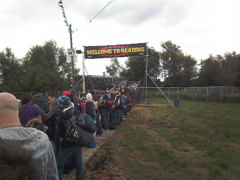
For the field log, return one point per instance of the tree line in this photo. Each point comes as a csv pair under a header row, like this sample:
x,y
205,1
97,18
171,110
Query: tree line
x,y
45,68
172,68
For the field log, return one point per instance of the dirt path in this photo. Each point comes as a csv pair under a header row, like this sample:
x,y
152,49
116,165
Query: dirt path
x,y
87,153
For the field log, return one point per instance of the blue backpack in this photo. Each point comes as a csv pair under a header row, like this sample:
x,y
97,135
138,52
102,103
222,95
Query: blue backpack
x,y
86,122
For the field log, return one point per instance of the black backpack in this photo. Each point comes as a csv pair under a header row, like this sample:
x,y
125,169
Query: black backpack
x,y
86,122
77,135
118,101
90,108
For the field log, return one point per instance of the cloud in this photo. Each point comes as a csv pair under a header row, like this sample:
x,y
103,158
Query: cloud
x,y
20,13
176,13
124,12
136,12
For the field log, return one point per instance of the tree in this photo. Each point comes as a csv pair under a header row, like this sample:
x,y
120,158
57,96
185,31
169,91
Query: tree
x,y
136,66
220,70
177,69
230,69
237,57
209,72
114,68
10,71
45,68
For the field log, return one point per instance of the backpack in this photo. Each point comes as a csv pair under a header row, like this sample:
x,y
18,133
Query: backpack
x,y
86,122
107,98
101,102
77,135
118,101
90,108
123,100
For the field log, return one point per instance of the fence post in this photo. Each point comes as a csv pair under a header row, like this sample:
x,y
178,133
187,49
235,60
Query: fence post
x,y
168,92
207,95
178,92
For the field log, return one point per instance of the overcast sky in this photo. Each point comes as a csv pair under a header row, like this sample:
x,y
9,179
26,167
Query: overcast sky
x,y
200,27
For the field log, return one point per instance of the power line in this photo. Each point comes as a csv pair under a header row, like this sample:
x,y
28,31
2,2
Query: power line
x,y
101,11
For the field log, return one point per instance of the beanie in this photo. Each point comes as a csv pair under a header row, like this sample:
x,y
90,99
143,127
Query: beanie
x,y
63,102
66,93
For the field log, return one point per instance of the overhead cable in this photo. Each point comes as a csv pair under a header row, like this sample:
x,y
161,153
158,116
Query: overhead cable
x,y
101,10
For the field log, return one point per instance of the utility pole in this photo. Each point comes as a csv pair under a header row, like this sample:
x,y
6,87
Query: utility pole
x,y
83,77
60,4
72,57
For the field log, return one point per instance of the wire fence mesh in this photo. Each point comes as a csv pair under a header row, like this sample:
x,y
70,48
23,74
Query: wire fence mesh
x,y
208,94
143,94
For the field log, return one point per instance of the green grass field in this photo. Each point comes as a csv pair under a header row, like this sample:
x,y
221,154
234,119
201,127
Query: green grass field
x,y
197,140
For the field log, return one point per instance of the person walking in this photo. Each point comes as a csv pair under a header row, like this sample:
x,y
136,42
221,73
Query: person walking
x,y
67,149
28,110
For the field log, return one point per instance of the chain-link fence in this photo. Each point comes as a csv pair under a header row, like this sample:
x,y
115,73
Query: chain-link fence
x,y
209,94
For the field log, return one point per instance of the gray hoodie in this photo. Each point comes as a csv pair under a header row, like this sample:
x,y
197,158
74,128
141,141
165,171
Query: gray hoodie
x,y
37,144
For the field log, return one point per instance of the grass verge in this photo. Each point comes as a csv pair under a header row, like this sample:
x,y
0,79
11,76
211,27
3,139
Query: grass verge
x,y
198,140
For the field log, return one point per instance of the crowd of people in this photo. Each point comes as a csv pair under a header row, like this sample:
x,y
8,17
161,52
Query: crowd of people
x,y
41,133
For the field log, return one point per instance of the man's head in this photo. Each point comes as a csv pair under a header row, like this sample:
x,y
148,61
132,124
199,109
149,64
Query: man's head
x,y
9,107
63,102
8,102
27,99
52,97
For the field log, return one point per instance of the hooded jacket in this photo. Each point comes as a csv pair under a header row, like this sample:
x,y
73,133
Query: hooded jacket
x,y
37,144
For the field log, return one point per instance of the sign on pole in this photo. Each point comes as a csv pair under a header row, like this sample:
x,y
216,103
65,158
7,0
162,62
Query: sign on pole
x,y
124,50
71,53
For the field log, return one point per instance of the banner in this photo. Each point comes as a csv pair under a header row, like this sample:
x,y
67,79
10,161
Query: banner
x,y
124,50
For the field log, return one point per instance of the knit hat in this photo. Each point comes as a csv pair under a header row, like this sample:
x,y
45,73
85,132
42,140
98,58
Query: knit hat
x,y
63,102
66,93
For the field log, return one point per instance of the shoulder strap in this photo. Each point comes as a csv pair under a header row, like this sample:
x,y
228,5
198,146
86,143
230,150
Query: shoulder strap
x,y
72,120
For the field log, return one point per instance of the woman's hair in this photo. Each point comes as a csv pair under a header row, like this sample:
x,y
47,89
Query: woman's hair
x,y
89,96
35,123
26,98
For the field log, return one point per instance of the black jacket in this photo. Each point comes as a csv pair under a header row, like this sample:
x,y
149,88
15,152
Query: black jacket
x,y
61,121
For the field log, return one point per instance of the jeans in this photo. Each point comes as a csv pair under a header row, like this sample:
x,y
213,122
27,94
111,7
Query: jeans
x,y
64,154
99,126
117,115
105,118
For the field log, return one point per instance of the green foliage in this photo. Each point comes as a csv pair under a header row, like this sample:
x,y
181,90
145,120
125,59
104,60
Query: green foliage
x,y
11,71
115,68
178,69
220,70
136,66
41,71
43,68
